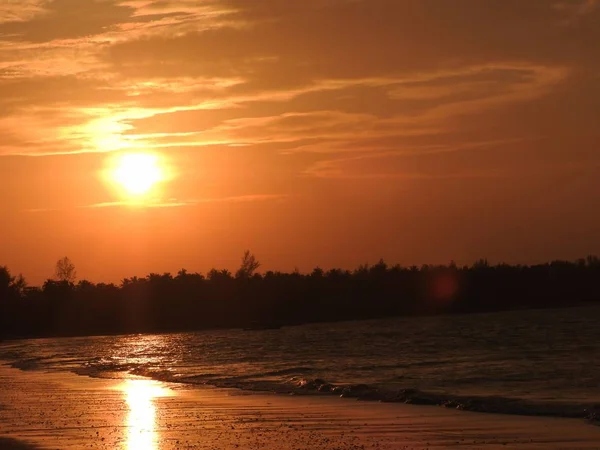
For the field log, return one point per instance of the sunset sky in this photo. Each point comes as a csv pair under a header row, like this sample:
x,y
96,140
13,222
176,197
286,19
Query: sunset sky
x,y
313,132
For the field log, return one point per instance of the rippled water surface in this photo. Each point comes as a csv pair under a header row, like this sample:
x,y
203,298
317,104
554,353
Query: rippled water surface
x,y
546,357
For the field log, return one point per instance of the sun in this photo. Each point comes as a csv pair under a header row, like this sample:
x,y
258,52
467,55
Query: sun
x,y
137,178
137,173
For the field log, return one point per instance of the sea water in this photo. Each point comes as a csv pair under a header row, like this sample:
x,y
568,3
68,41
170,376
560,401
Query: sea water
x,y
524,362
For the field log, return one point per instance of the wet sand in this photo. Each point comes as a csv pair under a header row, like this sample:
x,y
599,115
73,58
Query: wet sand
x,y
13,444
66,411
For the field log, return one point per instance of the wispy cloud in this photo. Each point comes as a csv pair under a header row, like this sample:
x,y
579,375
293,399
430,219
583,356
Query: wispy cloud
x,y
167,203
104,76
174,203
577,8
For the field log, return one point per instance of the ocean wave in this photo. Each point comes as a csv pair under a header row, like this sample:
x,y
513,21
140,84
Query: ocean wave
x,y
302,385
27,364
363,392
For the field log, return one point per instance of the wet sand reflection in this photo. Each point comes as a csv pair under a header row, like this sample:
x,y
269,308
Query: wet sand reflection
x,y
141,425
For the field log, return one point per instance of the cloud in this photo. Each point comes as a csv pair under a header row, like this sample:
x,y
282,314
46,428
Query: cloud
x,y
422,104
66,19
174,203
21,11
410,163
577,8
493,160
168,203
318,77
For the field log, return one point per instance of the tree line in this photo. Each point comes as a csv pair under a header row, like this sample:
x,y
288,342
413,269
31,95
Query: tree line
x,y
63,306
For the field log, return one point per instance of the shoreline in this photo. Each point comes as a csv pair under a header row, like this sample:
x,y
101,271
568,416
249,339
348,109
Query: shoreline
x,y
588,412
68,411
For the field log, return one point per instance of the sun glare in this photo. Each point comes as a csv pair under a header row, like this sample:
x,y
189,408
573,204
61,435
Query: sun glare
x,y
137,173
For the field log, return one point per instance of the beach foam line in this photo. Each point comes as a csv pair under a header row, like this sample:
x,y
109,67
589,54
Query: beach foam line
x,y
304,386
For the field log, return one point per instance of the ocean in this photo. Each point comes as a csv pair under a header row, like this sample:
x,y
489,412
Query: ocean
x,y
534,362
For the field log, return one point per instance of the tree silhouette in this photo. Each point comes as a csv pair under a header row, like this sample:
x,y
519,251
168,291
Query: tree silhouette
x,y
218,299
65,270
11,285
5,279
19,285
248,266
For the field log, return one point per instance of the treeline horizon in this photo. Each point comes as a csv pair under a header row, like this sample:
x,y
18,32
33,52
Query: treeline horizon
x,y
221,299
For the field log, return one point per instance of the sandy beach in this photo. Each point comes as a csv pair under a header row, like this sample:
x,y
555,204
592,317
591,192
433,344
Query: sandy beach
x,y
66,411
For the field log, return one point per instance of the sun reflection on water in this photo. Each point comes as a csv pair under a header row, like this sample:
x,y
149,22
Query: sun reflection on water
x,y
140,396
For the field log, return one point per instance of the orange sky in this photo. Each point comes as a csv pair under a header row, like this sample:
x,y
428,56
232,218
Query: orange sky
x,y
314,132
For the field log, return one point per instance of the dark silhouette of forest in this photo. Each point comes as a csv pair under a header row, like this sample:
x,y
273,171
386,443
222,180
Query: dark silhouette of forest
x,y
192,301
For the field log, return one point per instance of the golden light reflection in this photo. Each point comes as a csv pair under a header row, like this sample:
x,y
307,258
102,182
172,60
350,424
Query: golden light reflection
x,y
140,396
